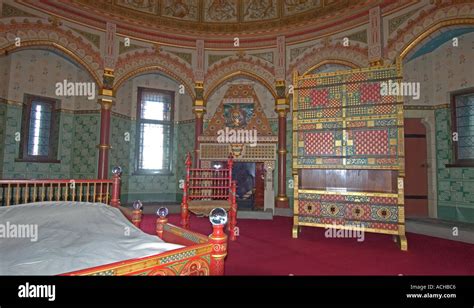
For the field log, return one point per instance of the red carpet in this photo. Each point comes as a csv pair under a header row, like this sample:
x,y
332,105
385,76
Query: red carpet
x,y
265,247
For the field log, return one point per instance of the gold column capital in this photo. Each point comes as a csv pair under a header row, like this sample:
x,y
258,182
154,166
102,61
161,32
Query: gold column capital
x,y
108,71
376,63
280,83
106,92
199,113
199,84
105,103
282,107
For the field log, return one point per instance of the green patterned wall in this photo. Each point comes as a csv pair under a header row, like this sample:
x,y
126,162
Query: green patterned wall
x,y
76,147
3,111
455,185
86,138
13,169
185,138
119,154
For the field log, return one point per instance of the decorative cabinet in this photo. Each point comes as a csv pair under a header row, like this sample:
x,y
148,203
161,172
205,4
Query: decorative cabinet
x,y
348,140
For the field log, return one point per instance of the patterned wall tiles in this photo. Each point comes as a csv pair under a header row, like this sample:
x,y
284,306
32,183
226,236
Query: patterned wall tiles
x,y
84,151
455,185
13,169
3,111
120,153
185,141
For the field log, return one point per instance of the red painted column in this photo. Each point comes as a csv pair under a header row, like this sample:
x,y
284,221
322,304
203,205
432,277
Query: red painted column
x,y
104,146
282,199
198,129
282,108
199,109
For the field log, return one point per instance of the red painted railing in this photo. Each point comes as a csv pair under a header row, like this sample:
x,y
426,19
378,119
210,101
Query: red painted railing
x,y
23,191
207,184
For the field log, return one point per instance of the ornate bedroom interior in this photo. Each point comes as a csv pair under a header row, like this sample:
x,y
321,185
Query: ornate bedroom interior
x,y
271,110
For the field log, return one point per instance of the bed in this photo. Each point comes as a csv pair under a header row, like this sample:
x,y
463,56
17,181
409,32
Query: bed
x,y
208,188
78,227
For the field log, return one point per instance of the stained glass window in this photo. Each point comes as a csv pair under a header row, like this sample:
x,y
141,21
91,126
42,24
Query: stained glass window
x,y
155,129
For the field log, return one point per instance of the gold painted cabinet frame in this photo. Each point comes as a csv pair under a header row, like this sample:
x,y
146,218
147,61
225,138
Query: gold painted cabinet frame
x,y
398,233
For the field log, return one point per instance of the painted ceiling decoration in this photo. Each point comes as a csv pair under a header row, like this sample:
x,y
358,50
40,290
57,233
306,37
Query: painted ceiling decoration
x,y
223,11
181,22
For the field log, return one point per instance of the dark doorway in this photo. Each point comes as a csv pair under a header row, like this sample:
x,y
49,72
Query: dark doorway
x,y
244,175
416,169
250,180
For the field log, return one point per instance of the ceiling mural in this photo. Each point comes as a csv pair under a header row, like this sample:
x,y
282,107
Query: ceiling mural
x,y
211,15
297,6
255,10
226,10
180,22
181,9
147,6
220,11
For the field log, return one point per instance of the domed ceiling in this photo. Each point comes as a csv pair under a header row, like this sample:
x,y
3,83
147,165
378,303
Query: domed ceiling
x,y
184,20
222,15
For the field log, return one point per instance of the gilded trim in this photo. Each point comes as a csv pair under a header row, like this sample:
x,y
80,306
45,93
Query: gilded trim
x,y
330,61
348,193
373,230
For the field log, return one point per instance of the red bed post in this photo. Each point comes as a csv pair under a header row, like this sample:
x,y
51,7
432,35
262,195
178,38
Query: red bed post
x,y
137,217
233,204
184,203
233,211
161,221
137,213
218,239
115,200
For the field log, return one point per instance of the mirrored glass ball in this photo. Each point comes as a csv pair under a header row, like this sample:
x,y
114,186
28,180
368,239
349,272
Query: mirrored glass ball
x,y
137,205
218,216
117,170
162,212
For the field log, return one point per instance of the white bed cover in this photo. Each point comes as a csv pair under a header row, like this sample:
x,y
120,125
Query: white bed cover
x,y
70,236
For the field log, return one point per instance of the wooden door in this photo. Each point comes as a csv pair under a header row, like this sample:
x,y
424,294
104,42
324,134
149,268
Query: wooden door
x,y
259,185
416,169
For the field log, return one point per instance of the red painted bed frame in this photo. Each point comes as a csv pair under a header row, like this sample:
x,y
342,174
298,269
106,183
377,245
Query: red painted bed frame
x,y
202,255
211,188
